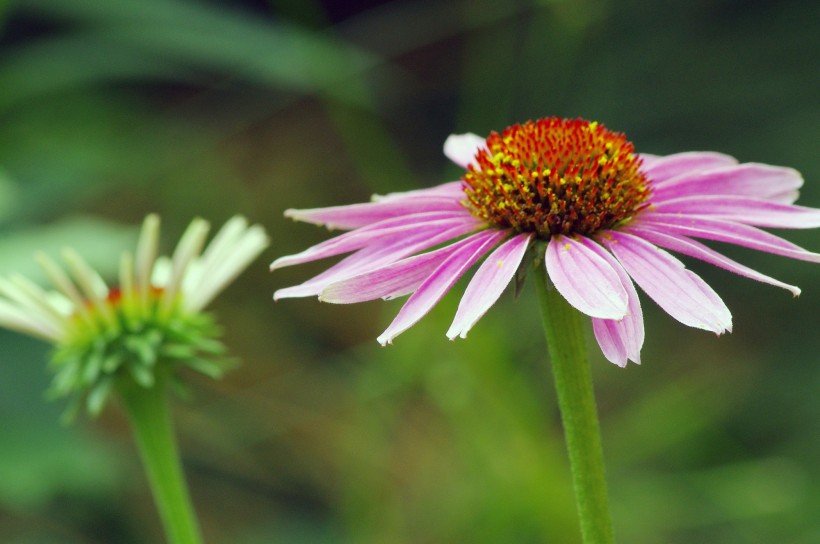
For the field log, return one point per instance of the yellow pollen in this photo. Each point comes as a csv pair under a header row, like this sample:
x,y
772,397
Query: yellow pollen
x,y
556,176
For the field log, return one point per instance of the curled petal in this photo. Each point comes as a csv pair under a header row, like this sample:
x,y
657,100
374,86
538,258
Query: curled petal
x,y
438,283
689,247
585,279
746,210
489,281
660,169
462,148
682,294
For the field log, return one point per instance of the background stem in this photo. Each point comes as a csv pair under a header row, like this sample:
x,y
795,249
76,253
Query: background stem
x,y
564,328
147,409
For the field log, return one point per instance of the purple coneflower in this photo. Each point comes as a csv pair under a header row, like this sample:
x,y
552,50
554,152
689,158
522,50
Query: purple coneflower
x,y
605,213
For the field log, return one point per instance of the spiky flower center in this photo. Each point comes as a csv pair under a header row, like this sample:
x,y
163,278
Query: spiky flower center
x,y
556,176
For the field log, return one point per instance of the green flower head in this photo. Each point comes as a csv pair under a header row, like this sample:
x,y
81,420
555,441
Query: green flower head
x,y
153,322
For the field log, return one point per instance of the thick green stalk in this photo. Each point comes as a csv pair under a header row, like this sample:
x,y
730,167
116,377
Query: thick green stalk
x,y
147,409
564,327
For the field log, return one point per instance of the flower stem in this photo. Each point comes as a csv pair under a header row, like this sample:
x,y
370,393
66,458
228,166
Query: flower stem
x,y
564,328
147,409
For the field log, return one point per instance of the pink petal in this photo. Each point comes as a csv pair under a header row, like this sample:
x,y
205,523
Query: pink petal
x,y
585,279
397,278
682,294
620,340
451,189
689,247
438,283
773,183
359,215
750,211
721,230
660,169
489,281
430,223
648,159
370,258
462,148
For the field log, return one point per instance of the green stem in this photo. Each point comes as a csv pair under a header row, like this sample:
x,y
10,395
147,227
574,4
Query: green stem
x,y
147,409
564,328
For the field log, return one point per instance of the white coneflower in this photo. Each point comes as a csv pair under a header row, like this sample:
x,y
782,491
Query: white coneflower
x,y
151,322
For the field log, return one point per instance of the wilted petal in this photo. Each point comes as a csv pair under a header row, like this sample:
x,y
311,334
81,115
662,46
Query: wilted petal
x,y
489,281
398,278
620,340
462,148
682,294
772,183
721,230
439,282
359,215
660,169
695,249
750,211
585,279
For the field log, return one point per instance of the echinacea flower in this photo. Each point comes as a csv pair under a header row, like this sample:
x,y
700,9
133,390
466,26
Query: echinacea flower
x,y
597,213
152,322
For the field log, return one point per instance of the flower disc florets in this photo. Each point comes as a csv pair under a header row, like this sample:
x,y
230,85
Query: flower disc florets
x,y
556,176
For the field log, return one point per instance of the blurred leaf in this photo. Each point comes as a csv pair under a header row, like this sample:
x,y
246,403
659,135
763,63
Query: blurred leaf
x,y
271,53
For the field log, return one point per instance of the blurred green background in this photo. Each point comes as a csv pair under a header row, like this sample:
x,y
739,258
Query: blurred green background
x,y
111,109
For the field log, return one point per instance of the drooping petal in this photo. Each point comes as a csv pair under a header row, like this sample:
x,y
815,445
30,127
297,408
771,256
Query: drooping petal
x,y
372,257
721,230
438,283
489,281
772,183
585,279
695,249
461,148
660,169
398,278
359,215
395,228
750,211
682,294
622,339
